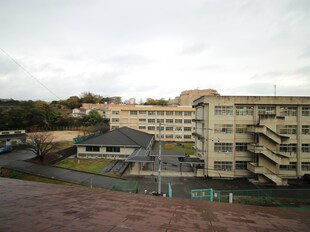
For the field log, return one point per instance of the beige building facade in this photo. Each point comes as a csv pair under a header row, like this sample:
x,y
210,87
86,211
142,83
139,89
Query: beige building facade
x,y
187,97
266,138
176,122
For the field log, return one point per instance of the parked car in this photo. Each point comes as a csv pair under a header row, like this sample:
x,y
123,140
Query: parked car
x,y
5,149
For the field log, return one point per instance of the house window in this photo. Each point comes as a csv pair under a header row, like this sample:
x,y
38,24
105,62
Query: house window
x,y
160,112
178,120
115,119
223,128
151,120
241,128
178,128
92,148
169,112
305,147
142,127
169,136
291,166
223,147
178,113
169,128
115,112
187,137
151,112
187,121
222,165
113,149
288,111
241,165
305,130
305,166
266,110
241,146
178,136
305,111
186,113
288,147
162,136
133,112
244,110
142,119
161,128
151,128
142,112
160,120
169,120
114,127
187,129
288,129
223,110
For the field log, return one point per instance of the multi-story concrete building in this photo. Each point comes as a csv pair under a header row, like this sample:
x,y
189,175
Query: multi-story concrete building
x,y
263,137
176,122
187,97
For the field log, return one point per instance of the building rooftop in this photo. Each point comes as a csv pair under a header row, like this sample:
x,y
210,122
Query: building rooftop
x,y
31,206
120,137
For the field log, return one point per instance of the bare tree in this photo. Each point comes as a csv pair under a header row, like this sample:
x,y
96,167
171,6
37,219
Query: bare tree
x,y
41,144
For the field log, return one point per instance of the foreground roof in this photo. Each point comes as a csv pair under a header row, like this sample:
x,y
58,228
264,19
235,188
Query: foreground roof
x,y
121,137
30,206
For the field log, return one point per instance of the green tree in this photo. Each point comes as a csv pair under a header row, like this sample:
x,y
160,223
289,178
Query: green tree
x,y
74,102
92,118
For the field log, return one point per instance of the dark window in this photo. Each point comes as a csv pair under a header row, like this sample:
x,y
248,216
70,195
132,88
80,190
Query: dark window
x,y
113,149
92,148
241,165
291,166
241,146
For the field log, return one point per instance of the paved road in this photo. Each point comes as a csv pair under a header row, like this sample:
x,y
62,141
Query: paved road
x,y
16,161
15,155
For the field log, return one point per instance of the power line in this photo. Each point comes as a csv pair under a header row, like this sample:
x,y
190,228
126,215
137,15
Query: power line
x,y
32,76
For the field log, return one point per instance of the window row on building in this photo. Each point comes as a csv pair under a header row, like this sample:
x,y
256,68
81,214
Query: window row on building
x,y
242,165
228,147
153,120
242,128
153,112
174,136
228,165
249,110
305,166
166,128
97,149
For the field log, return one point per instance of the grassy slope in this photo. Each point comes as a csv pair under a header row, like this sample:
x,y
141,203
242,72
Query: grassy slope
x,y
185,147
87,165
24,176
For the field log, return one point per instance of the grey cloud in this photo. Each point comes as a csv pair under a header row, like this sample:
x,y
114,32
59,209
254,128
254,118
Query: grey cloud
x,y
128,60
193,49
7,66
305,71
267,89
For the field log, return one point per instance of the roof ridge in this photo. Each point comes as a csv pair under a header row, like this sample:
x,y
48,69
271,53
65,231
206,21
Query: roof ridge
x,y
119,129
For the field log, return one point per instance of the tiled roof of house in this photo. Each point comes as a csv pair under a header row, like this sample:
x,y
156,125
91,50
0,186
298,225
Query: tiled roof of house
x,y
121,137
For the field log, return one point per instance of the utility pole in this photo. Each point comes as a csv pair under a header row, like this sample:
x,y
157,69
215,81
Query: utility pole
x,y
159,161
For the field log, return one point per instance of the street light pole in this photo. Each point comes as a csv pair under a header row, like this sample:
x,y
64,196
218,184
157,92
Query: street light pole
x,y
159,161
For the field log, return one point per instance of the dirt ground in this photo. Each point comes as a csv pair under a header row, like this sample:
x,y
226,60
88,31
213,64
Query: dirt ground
x,y
60,136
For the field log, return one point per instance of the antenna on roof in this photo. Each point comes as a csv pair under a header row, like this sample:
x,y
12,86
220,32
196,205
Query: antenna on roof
x,y
275,90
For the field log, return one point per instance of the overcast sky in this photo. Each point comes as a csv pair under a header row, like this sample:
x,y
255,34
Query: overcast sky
x,y
154,48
